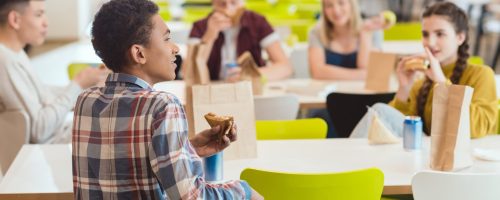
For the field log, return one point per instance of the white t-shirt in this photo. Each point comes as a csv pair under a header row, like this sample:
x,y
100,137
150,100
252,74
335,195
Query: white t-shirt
x,y
47,108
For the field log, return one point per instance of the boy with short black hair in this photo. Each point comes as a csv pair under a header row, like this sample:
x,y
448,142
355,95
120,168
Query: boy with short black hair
x,y
130,141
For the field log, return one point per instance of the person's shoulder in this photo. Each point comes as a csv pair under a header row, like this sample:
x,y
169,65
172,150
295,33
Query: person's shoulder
x,y
478,70
164,102
91,92
6,58
201,22
315,29
166,97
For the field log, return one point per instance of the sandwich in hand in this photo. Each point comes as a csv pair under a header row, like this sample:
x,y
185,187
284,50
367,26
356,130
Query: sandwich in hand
x,y
389,18
416,64
225,122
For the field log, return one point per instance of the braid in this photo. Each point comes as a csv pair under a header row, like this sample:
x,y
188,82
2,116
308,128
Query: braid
x,y
463,55
422,99
458,18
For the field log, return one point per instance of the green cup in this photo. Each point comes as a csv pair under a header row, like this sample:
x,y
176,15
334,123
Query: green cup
x,y
75,68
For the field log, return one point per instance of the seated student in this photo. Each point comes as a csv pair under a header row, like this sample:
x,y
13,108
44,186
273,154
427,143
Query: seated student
x,y
23,22
445,38
340,44
228,40
130,141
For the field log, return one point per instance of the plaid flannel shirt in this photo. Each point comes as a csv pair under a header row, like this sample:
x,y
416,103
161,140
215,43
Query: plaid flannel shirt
x,y
131,142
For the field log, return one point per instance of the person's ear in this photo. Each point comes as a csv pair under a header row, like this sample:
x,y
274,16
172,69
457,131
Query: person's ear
x,y
137,54
461,38
14,19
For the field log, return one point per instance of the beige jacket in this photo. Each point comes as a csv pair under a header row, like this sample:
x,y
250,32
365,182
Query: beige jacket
x,y
47,108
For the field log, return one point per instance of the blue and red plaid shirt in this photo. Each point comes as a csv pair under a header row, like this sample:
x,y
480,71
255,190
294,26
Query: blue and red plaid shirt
x,y
131,142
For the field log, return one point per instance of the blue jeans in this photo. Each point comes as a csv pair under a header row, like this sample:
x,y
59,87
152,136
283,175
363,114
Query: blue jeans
x,y
323,114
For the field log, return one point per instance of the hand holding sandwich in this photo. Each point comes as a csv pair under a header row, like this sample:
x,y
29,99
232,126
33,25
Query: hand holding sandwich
x,y
216,23
409,66
215,139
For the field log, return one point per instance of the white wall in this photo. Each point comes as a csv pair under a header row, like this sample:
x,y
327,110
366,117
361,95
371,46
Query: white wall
x,y
69,19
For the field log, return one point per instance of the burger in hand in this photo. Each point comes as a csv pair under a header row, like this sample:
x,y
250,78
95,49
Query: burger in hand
x,y
416,64
225,122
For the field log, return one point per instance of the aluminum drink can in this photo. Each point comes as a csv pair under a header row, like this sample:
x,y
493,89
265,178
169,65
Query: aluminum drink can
x,y
212,166
412,133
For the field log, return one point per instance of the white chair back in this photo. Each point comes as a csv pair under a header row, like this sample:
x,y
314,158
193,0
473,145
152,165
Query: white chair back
x,y
284,107
433,185
299,61
14,133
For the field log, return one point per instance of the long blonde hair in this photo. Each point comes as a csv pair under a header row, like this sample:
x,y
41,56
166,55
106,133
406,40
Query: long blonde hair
x,y
326,27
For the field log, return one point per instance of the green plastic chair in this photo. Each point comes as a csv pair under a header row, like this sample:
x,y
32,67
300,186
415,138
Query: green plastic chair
x,y
195,13
404,31
261,7
366,184
165,14
298,27
312,128
476,60
75,68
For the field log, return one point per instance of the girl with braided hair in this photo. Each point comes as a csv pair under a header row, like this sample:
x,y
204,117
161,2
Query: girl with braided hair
x,y
445,40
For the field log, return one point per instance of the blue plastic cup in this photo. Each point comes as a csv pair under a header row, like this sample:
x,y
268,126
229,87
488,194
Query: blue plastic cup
x,y
227,67
212,166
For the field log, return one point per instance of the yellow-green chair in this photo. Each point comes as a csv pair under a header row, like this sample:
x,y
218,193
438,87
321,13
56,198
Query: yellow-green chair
x,y
261,7
476,60
165,14
312,128
298,27
195,13
366,184
75,68
404,31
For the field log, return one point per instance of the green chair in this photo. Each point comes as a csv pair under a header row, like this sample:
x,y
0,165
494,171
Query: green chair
x,y
313,128
366,184
165,14
195,13
476,60
261,7
404,31
75,68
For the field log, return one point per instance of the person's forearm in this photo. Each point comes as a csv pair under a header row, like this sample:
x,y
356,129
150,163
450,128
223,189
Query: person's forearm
x,y
403,94
276,71
50,117
365,47
209,37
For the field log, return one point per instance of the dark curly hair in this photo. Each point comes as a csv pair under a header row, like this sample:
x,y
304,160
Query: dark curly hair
x,y
117,26
458,19
7,5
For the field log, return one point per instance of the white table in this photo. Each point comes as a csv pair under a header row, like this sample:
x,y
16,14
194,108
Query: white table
x,y
337,155
39,172
47,168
